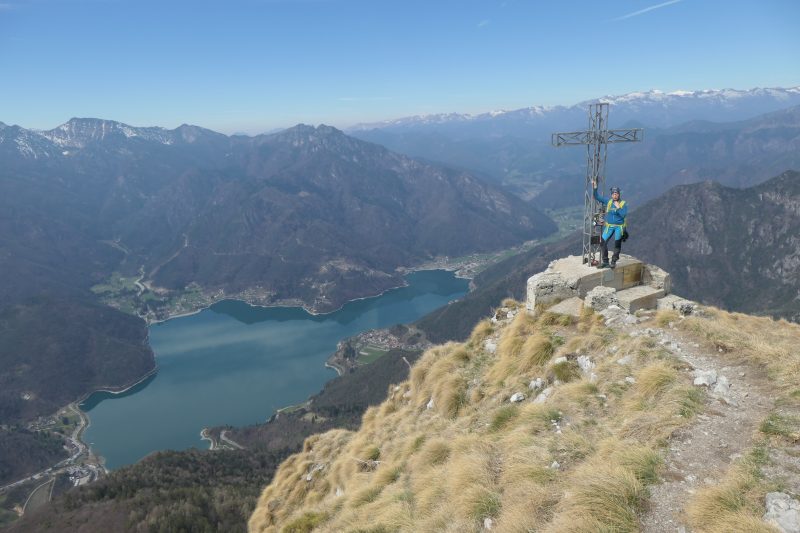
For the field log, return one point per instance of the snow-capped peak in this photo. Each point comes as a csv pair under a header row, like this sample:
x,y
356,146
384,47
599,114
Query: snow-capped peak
x,y
79,132
751,101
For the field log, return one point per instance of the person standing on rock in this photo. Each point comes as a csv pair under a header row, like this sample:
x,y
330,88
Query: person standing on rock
x,y
614,228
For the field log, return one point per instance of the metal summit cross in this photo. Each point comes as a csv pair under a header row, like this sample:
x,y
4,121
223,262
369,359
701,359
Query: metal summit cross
x,y
596,140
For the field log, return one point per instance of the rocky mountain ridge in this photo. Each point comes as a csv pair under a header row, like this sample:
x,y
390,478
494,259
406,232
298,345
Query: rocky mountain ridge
x,y
737,248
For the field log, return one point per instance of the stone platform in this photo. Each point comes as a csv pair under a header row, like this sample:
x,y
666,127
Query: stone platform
x,y
635,284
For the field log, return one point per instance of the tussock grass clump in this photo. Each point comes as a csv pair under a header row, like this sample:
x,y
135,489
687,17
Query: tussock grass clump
x,y
536,351
734,502
373,453
511,303
503,416
653,379
481,332
664,317
655,421
644,462
304,523
602,498
510,346
565,371
607,491
450,396
780,426
538,417
582,393
589,320
435,452
520,355
461,355
595,340
523,324
690,401
368,495
526,507
416,444
484,504
554,319
389,474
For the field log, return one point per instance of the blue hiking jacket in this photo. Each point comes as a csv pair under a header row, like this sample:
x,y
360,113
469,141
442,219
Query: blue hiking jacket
x,y
615,217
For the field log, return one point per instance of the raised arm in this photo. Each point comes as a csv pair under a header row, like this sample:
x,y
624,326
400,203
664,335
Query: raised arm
x,y
597,195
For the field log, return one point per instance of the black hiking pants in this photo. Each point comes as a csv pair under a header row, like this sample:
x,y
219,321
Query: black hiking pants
x,y
617,247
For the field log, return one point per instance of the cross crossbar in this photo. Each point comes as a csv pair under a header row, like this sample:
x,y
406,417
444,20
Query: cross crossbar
x,y
592,137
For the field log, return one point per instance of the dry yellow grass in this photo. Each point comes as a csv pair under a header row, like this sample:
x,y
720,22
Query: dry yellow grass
x,y
736,503
473,456
770,344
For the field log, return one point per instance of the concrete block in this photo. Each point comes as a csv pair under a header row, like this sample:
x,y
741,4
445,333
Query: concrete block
x,y
600,298
641,297
546,287
583,278
657,277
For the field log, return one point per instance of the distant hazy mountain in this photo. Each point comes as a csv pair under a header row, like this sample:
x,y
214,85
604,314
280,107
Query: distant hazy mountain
x,y
513,147
652,108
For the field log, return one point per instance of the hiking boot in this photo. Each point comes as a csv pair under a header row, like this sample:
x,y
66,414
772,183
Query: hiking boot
x,y
613,264
603,265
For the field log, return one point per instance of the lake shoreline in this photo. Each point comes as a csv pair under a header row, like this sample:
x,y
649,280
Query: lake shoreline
x,y
296,303
441,275
116,390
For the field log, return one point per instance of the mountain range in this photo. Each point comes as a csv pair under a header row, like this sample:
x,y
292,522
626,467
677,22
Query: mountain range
x,y
307,215
650,108
735,137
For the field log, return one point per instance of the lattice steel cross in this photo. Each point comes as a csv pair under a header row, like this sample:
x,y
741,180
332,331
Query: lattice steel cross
x,y
596,139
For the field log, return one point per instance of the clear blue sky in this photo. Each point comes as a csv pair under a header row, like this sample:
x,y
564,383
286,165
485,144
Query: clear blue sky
x,y
254,65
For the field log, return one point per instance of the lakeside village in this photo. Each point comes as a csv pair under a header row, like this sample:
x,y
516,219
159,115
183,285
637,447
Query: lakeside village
x,y
80,467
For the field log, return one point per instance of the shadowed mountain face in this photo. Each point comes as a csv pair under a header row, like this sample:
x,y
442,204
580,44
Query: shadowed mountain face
x,y
735,248
306,214
312,213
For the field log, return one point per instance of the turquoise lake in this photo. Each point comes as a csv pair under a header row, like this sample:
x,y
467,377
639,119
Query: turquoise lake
x,y
236,364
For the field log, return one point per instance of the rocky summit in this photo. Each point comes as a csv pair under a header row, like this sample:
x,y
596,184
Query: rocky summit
x,y
580,410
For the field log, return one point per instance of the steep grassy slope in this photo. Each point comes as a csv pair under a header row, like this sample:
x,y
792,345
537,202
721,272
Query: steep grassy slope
x,y
448,451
